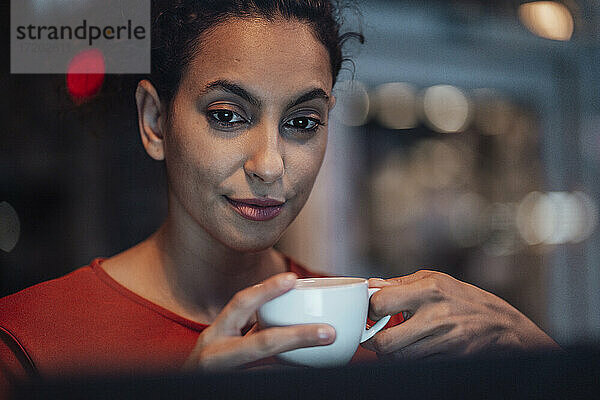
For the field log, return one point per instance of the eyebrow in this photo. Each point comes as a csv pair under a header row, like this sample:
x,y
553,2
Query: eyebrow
x,y
234,88
316,93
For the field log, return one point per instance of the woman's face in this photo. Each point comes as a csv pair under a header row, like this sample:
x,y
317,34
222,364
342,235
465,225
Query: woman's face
x,y
247,132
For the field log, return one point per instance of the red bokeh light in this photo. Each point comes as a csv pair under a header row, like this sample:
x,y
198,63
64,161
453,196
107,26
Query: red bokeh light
x,y
85,75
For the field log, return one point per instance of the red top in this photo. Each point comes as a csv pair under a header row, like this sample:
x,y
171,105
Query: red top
x,y
87,323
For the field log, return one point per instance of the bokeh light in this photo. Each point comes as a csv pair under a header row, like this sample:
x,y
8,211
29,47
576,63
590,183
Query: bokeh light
x,y
556,217
547,19
567,217
395,105
589,217
85,75
10,227
446,108
352,102
531,218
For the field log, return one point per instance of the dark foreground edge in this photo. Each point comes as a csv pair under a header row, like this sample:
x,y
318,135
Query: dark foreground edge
x,y
574,374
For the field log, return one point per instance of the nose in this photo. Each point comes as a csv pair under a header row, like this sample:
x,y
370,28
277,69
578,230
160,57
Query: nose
x,y
265,161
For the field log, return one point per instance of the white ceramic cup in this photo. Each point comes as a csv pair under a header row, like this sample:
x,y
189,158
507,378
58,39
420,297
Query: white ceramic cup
x,y
340,302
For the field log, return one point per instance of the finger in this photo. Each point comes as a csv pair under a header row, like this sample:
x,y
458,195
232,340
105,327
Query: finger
x,y
265,343
240,309
401,280
396,298
406,279
378,283
405,334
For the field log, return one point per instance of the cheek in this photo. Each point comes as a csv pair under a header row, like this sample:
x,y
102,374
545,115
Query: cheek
x,y
305,164
198,157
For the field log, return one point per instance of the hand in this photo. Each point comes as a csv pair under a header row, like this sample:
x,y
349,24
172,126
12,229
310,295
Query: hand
x,y
447,317
222,345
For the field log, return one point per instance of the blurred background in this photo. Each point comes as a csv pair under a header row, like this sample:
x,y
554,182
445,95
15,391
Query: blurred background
x,y
466,139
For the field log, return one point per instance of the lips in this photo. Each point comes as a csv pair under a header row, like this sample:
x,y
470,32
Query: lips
x,y
256,209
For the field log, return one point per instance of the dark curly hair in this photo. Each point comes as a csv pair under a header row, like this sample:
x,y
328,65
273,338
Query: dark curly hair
x,y
177,27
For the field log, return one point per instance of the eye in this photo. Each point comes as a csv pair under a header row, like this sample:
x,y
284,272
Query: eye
x,y
303,123
226,117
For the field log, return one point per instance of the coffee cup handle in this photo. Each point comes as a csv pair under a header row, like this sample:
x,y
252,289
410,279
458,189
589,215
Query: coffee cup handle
x,y
369,333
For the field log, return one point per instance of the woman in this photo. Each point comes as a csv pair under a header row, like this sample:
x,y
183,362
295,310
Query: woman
x,y
237,107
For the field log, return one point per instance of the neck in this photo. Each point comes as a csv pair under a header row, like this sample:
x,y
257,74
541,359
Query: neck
x,y
183,269
202,273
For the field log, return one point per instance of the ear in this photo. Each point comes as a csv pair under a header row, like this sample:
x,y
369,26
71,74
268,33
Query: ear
x,y
150,119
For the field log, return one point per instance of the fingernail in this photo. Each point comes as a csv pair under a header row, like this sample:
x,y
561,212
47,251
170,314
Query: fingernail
x,y
325,333
289,278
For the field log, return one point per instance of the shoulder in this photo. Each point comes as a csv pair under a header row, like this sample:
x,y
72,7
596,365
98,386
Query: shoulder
x,y
47,296
44,292
47,303
84,323
29,317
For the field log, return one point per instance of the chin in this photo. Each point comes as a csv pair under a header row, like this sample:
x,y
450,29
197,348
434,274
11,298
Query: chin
x,y
251,243
250,247
251,237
